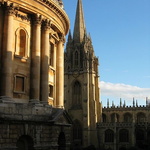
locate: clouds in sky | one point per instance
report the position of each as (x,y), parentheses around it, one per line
(126,92)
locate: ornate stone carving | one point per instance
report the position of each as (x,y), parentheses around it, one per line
(62,38)
(22,17)
(37,19)
(46,24)
(11,9)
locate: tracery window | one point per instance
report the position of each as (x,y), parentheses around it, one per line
(114,117)
(127,117)
(109,136)
(141,117)
(123,135)
(76,94)
(21,43)
(104,118)
(76,59)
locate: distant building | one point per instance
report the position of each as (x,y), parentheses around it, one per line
(108,128)
(32,115)
(125,127)
(82,84)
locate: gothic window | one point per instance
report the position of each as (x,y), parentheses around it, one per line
(19,84)
(109,136)
(77,94)
(77,131)
(141,117)
(51,59)
(76,59)
(140,135)
(114,117)
(21,43)
(104,117)
(123,135)
(127,117)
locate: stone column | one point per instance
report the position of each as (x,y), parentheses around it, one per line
(35,58)
(7,56)
(45,61)
(60,74)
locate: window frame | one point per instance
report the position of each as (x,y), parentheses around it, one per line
(24,83)
(17,44)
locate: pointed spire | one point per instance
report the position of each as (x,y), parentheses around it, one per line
(79,26)
(69,36)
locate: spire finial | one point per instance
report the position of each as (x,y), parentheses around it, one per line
(120,102)
(133,102)
(79,26)
(108,103)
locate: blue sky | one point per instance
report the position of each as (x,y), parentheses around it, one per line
(120,32)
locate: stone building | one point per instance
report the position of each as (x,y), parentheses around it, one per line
(125,127)
(82,84)
(32,36)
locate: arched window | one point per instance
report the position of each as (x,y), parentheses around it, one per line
(140,136)
(141,117)
(104,117)
(109,136)
(21,43)
(76,59)
(114,117)
(77,131)
(77,94)
(123,135)
(127,117)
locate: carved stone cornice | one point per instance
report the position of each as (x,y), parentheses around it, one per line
(23,17)
(11,9)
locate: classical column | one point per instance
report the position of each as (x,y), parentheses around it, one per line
(45,61)
(35,58)
(60,74)
(7,57)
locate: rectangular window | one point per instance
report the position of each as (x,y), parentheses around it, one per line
(19,84)
(51,91)
(51,55)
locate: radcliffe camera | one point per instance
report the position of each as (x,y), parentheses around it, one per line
(74,75)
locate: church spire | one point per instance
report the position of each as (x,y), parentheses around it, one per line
(79,26)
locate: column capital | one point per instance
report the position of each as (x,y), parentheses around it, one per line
(37,19)
(62,39)
(11,9)
(46,24)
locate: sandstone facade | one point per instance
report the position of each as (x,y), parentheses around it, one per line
(32,36)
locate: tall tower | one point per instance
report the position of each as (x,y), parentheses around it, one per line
(82,83)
